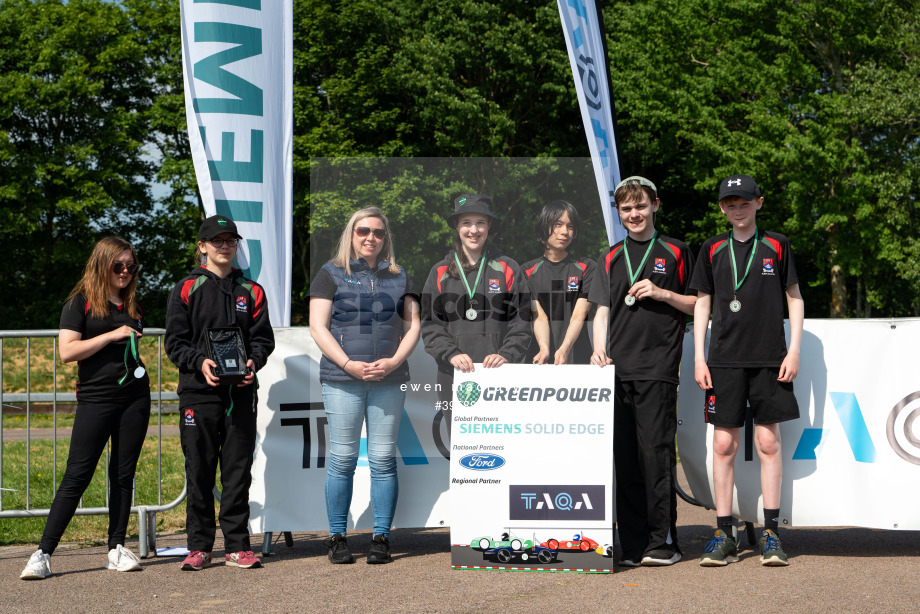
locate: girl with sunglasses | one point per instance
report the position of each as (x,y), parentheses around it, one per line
(100,326)
(364,317)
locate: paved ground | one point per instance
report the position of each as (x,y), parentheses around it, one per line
(832,570)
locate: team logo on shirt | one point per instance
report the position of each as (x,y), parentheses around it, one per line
(573,284)
(768,266)
(241,303)
(189,414)
(659,266)
(493,286)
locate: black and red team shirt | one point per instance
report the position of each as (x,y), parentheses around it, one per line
(644,340)
(98,374)
(557,286)
(754,336)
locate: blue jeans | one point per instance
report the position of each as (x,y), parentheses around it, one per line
(347,405)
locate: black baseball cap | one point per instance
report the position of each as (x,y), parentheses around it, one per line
(471,203)
(739,185)
(217,225)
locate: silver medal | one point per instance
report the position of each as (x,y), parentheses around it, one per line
(630,300)
(735,305)
(470,314)
(139,373)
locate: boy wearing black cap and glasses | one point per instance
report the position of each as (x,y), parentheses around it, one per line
(641,289)
(742,277)
(218,421)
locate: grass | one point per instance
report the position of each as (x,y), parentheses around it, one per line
(42,420)
(86,529)
(42,360)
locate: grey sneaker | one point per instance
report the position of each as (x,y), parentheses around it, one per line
(38,567)
(720,551)
(628,562)
(661,557)
(771,550)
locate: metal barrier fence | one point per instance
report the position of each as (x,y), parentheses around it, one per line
(146,512)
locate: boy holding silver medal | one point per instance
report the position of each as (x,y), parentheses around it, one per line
(641,289)
(741,277)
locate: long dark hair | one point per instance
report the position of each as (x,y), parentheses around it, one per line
(543,225)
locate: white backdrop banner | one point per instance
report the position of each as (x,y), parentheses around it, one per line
(289,471)
(531,472)
(584,40)
(237,62)
(853,457)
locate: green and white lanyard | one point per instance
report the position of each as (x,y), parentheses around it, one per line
(471,312)
(630,300)
(131,350)
(735,305)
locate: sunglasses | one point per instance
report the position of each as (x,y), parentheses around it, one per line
(119,267)
(363,231)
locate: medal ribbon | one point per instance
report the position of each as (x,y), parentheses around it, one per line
(634,276)
(130,350)
(731,250)
(482,264)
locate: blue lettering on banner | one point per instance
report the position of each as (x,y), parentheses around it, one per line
(248,43)
(854,426)
(579,7)
(230,169)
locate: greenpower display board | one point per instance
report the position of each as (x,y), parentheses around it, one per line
(531,468)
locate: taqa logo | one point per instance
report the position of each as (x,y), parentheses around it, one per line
(493,286)
(482,462)
(573,284)
(659,265)
(568,502)
(768,266)
(241,303)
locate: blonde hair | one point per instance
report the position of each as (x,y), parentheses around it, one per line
(94,285)
(344,253)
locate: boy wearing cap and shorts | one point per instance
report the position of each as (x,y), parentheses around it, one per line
(741,277)
(218,420)
(641,289)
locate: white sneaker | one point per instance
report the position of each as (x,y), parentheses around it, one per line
(122,559)
(38,567)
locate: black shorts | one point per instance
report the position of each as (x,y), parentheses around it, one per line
(771,401)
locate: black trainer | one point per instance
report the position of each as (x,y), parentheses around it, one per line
(380,550)
(338,549)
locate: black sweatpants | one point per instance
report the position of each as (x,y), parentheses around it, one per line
(209,436)
(645,423)
(125,422)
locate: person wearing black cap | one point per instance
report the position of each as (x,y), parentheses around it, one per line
(559,282)
(742,277)
(641,290)
(475,302)
(217,421)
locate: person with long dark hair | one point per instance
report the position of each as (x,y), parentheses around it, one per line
(559,282)
(475,303)
(364,317)
(100,326)
(218,420)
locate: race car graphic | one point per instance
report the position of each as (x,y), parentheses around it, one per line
(530,555)
(578,542)
(507,542)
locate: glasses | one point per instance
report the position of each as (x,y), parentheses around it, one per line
(363,231)
(119,267)
(222,242)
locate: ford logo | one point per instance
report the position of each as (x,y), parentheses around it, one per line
(482,462)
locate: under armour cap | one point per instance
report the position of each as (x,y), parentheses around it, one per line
(217,225)
(739,185)
(637,180)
